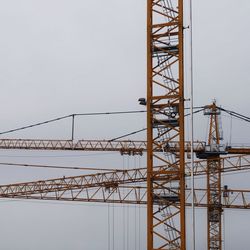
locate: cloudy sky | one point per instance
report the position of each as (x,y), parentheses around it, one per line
(63,57)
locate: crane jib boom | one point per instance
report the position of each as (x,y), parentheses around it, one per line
(95,189)
(130,147)
(125,186)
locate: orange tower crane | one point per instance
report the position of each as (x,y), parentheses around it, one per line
(165,174)
(165,112)
(120,186)
(212,153)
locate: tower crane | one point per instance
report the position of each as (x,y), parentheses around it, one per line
(165,191)
(101,187)
(120,186)
(165,112)
(212,153)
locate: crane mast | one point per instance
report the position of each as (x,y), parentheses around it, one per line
(212,153)
(214,211)
(165,193)
(165,113)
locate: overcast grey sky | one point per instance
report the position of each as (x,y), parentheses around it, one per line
(59,57)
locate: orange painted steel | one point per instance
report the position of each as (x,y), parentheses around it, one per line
(124,146)
(129,147)
(214,201)
(110,189)
(165,124)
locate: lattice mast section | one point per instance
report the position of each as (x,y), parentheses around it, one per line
(165,124)
(213,152)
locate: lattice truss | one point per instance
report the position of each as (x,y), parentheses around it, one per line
(128,186)
(214,211)
(167,114)
(214,205)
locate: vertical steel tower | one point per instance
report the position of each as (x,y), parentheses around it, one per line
(212,153)
(165,125)
(214,210)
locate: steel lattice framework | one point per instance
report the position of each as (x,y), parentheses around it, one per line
(165,112)
(129,147)
(212,153)
(125,187)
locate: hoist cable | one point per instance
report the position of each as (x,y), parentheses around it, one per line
(192,124)
(57,167)
(128,134)
(80,114)
(235,114)
(34,125)
(144,129)
(71,115)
